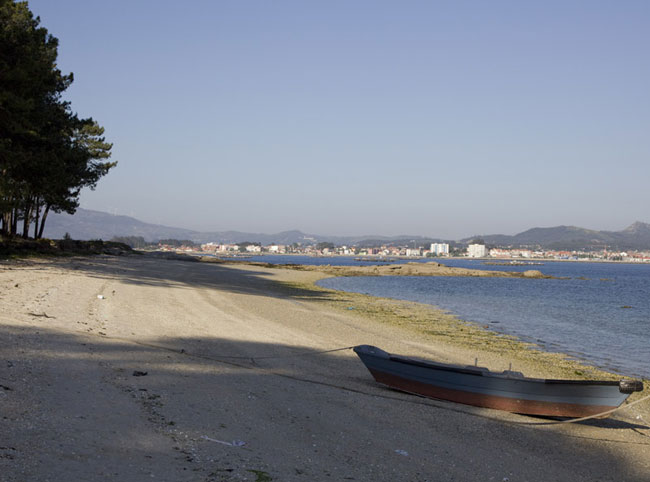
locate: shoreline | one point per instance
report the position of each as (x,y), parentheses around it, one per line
(136,368)
(439,326)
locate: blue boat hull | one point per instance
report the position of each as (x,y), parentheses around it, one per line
(509,391)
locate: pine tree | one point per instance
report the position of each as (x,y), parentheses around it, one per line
(47,154)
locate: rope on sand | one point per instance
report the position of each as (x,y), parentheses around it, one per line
(309,353)
(581,419)
(228,357)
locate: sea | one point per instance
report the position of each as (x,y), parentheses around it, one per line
(598,313)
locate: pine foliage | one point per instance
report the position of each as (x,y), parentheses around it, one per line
(47,153)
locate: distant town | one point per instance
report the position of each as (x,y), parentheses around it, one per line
(434,250)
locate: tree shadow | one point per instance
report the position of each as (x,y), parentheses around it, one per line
(146,271)
(220,408)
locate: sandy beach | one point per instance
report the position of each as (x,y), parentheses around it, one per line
(135,368)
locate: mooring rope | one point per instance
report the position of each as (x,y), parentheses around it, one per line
(582,419)
(218,358)
(269,357)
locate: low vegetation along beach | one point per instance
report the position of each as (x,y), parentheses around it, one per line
(139,368)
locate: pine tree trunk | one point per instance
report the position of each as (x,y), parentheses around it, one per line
(14,222)
(40,232)
(4,198)
(6,223)
(37,213)
(27,219)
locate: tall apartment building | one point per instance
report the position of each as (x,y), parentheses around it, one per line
(476,251)
(440,249)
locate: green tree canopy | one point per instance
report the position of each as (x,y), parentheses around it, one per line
(47,154)
(177,242)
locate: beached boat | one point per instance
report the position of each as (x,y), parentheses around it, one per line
(508,390)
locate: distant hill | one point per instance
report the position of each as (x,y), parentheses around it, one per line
(88,224)
(636,236)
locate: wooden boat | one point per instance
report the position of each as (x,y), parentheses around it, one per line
(509,390)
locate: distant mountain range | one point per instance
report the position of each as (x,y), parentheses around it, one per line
(88,224)
(636,236)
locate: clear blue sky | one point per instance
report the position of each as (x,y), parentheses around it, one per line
(445,119)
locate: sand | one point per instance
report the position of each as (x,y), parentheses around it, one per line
(132,369)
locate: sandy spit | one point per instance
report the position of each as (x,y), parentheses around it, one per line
(431,268)
(133,368)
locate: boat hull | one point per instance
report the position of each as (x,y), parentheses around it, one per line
(502,391)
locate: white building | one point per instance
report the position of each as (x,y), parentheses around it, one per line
(500,253)
(413,252)
(440,249)
(225,248)
(277,248)
(209,247)
(476,251)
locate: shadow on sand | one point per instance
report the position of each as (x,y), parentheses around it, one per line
(220,409)
(146,271)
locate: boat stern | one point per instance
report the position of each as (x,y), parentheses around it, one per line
(630,386)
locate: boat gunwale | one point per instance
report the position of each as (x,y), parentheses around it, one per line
(485,372)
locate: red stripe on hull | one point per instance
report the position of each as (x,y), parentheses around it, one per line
(515,405)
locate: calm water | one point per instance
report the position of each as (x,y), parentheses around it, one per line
(603,318)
